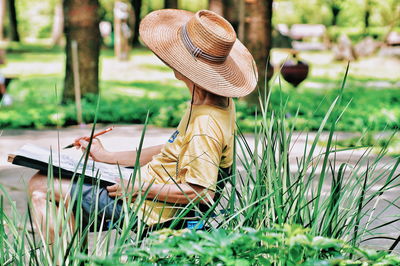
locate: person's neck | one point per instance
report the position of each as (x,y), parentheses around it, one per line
(202,97)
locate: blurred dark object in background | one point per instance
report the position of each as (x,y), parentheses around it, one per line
(294,71)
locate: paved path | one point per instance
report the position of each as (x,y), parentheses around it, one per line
(14,178)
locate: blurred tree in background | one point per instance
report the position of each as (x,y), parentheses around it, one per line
(12,15)
(2,16)
(171,4)
(137,8)
(232,12)
(367,14)
(336,7)
(257,38)
(7,9)
(81,19)
(58,25)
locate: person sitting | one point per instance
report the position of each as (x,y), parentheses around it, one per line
(204,53)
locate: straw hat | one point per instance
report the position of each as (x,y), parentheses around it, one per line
(203,47)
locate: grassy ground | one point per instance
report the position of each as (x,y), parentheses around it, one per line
(144,83)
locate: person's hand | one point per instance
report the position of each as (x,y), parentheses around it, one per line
(122,189)
(97,151)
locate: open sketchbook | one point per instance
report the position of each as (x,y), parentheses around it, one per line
(38,158)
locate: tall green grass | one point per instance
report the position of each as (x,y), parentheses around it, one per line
(268,187)
(271,190)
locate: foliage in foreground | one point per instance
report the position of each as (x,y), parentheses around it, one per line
(282,245)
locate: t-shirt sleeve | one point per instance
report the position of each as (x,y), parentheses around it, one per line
(201,153)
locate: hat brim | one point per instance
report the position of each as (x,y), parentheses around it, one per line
(235,77)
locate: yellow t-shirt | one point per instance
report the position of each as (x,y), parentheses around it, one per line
(193,154)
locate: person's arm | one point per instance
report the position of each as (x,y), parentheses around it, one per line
(170,193)
(128,158)
(123,158)
(183,194)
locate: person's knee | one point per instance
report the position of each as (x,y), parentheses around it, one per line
(38,197)
(37,185)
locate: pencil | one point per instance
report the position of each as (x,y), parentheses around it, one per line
(88,138)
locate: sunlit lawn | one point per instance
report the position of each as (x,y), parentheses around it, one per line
(142,75)
(144,71)
(145,81)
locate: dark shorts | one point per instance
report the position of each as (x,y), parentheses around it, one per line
(94,197)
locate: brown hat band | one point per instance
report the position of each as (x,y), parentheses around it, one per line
(196,51)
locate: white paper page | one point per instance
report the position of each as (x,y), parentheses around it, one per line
(107,172)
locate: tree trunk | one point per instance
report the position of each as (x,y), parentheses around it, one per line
(335,13)
(122,32)
(58,25)
(14,34)
(367,14)
(137,7)
(2,16)
(81,20)
(171,4)
(217,6)
(241,18)
(257,39)
(231,12)
(366,20)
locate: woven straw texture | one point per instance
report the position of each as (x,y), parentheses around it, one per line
(234,77)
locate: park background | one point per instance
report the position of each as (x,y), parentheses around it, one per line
(317,36)
(140,82)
